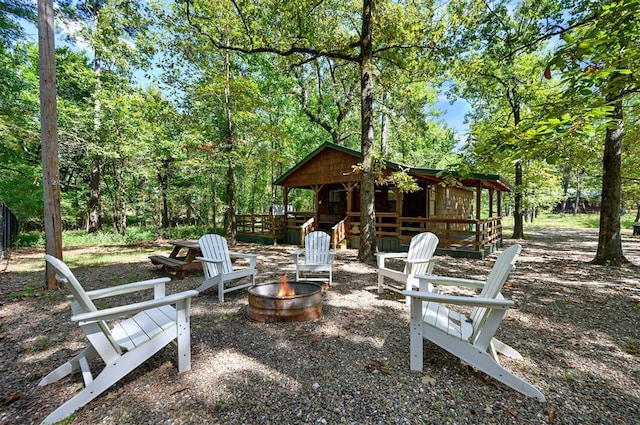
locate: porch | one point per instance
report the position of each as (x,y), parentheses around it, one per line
(472,238)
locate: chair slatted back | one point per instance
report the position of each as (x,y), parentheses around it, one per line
(422,246)
(83,304)
(215,247)
(317,245)
(493,286)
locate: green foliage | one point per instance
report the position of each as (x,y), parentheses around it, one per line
(163,149)
(135,235)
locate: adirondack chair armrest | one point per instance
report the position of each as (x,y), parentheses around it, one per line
(210,260)
(251,257)
(382,256)
(295,255)
(451,281)
(332,255)
(119,311)
(157,284)
(422,260)
(459,300)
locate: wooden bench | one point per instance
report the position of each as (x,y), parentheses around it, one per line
(169,264)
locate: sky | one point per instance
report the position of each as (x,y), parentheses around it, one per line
(453,115)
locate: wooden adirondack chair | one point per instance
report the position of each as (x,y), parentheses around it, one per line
(418,260)
(469,338)
(151,326)
(217,266)
(317,255)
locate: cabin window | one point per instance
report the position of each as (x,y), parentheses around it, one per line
(447,198)
(335,202)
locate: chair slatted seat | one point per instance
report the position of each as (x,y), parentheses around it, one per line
(124,336)
(468,337)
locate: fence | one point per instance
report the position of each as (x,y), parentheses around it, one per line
(8,229)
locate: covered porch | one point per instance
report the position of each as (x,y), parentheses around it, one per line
(453,211)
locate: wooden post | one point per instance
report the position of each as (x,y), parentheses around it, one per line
(478,226)
(478,199)
(285,201)
(49,137)
(316,195)
(490,202)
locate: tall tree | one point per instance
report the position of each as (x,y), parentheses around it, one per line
(396,32)
(504,87)
(49,136)
(115,31)
(599,61)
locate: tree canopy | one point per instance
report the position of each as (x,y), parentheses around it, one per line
(186,112)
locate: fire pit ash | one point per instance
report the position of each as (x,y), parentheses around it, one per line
(284,301)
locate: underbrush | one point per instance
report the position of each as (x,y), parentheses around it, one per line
(135,235)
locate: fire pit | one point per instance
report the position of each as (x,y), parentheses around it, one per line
(284,302)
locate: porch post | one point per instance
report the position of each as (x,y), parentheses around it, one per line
(285,200)
(490,202)
(349,187)
(479,243)
(500,203)
(478,199)
(316,195)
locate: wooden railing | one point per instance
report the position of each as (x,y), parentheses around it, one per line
(471,234)
(267,225)
(340,232)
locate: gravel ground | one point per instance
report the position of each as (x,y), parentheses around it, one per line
(574,323)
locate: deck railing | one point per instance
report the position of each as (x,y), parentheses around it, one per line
(469,234)
(472,234)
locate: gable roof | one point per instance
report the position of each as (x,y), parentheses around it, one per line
(340,169)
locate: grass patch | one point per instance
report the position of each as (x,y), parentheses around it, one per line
(30,291)
(566,221)
(135,235)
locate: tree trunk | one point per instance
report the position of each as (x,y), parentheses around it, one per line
(122,200)
(93,223)
(230,217)
(384,137)
(368,245)
(609,241)
(637,213)
(518,226)
(214,216)
(163,181)
(49,137)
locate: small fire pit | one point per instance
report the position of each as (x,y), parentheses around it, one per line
(284,302)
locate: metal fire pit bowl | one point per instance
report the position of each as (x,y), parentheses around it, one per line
(266,306)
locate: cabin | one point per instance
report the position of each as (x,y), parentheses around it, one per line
(446,204)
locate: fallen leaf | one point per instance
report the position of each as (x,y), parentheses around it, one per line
(551,414)
(179,390)
(15,396)
(428,380)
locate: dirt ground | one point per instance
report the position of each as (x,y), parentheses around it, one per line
(575,323)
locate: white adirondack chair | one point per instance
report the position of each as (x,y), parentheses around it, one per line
(418,260)
(217,266)
(151,326)
(316,257)
(470,338)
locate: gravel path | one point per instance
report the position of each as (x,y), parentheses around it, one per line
(574,323)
